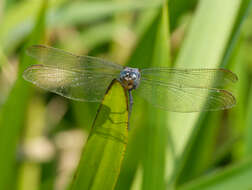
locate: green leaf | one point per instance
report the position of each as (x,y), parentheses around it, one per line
(204,47)
(82,12)
(242,15)
(233,178)
(100,34)
(237,116)
(141,57)
(19,20)
(13,111)
(239,113)
(202,154)
(30,170)
(103,153)
(177,9)
(3,58)
(148,136)
(154,162)
(248,137)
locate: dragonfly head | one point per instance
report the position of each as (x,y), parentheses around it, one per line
(130,78)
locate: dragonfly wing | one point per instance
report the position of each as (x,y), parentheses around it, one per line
(76,77)
(183,98)
(71,84)
(64,60)
(206,78)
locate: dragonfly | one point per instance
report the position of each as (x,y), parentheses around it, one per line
(86,78)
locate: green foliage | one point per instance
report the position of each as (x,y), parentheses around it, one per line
(13,111)
(199,51)
(203,139)
(152,50)
(236,177)
(101,159)
(164,150)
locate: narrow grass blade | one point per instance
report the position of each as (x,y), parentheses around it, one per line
(103,153)
(3,58)
(233,178)
(30,171)
(13,111)
(237,116)
(154,161)
(248,137)
(242,15)
(177,9)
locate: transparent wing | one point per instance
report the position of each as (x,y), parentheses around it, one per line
(64,60)
(208,78)
(76,77)
(185,99)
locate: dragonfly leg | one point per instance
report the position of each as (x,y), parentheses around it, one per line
(130,106)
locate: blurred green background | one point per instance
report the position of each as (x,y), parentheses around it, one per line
(42,134)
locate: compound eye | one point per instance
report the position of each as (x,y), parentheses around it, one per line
(125,73)
(134,76)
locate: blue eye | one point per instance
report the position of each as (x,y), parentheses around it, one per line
(134,75)
(125,73)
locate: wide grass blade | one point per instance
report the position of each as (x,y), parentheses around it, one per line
(141,57)
(213,20)
(29,170)
(202,152)
(148,136)
(233,178)
(103,153)
(154,161)
(13,111)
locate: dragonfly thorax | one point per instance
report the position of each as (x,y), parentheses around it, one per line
(130,78)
